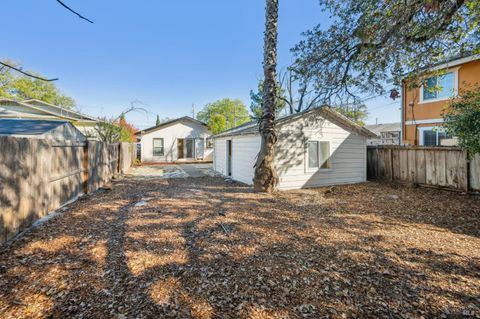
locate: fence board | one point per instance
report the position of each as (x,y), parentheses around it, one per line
(421,176)
(451,167)
(403,155)
(462,171)
(430,167)
(412,165)
(440,169)
(396,174)
(381,163)
(372,160)
(475,173)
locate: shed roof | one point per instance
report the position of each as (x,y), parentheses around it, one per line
(28,127)
(325,111)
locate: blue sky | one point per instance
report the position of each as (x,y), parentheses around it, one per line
(167,54)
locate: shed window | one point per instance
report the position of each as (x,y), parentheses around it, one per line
(318,155)
(313,159)
(158,149)
(439,87)
(325,155)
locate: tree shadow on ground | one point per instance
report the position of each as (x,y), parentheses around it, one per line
(203,248)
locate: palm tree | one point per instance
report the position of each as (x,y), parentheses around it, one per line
(266,178)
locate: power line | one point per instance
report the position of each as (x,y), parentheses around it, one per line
(26,73)
(73,11)
(382,106)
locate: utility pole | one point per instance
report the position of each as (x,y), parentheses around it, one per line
(193,111)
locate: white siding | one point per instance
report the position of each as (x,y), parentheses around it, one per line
(244,153)
(347,154)
(170,134)
(220,156)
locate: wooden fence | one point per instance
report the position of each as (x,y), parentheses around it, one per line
(445,167)
(39,176)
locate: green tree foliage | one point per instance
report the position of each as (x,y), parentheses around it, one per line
(115,130)
(234,113)
(108,131)
(357,113)
(462,120)
(19,87)
(217,123)
(372,41)
(256,103)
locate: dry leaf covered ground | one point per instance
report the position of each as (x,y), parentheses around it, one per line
(205,248)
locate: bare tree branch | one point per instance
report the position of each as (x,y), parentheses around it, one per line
(73,11)
(26,73)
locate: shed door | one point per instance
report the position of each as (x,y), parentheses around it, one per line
(229,157)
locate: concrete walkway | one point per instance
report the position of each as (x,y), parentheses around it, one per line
(171,171)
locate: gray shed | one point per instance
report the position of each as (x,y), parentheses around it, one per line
(41,129)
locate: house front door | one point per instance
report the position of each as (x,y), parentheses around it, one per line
(180,146)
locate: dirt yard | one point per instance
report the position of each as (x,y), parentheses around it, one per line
(206,248)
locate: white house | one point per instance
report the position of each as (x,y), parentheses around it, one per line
(315,148)
(182,139)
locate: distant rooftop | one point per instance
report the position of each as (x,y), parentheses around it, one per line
(387,127)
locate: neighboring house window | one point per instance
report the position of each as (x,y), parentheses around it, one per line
(158,149)
(390,138)
(318,155)
(432,136)
(209,142)
(440,87)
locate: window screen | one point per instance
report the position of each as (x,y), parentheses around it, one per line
(158,149)
(430,138)
(313,158)
(325,155)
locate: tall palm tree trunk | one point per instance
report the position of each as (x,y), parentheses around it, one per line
(266,178)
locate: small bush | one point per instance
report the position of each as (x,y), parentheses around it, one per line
(462,119)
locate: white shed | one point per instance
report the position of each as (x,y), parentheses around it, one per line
(319,147)
(182,139)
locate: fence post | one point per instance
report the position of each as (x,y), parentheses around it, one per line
(467,184)
(118,158)
(85,168)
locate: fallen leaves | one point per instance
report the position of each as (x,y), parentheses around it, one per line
(203,248)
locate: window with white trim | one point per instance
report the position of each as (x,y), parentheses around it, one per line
(439,87)
(158,148)
(318,155)
(432,136)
